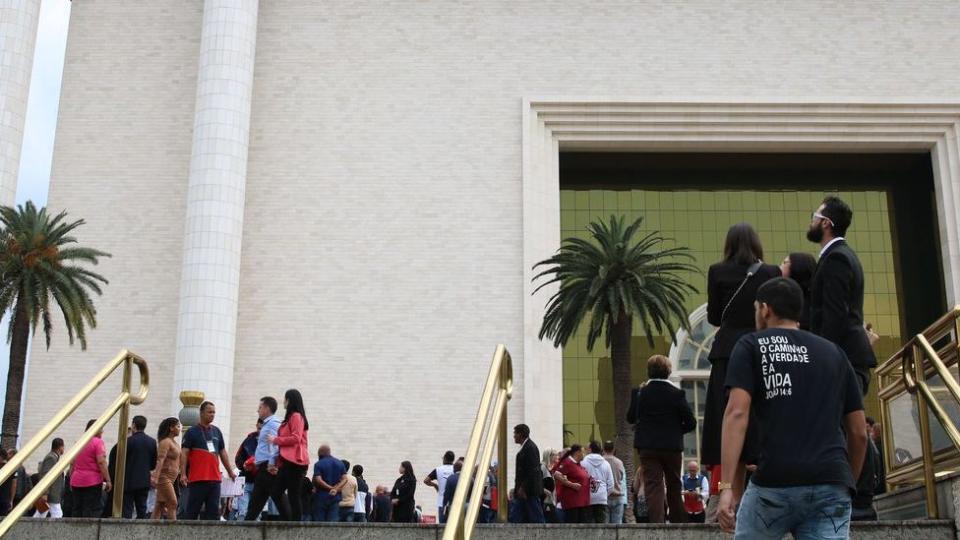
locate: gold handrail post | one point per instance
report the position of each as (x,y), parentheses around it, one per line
(502,488)
(120,465)
(930,487)
(122,402)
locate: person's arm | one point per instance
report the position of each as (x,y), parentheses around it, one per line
(295,425)
(161,456)
(240,458)
(704,488)
(856,440)
(714,301)
(688,422)
(225,459)
(102,464)
(153,455)
(837,277)
(735,420)
(637,481)
(431,480)
(268,433)
(632,411)
(184,452)
(339,487)
(614,486)
(319,481)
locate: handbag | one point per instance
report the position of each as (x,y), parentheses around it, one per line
(41,505)
(250,465)
(750,272)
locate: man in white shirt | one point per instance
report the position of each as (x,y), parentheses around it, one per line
(437,479)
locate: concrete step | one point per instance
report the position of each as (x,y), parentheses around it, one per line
(94,529)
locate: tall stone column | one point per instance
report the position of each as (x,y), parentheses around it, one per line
(18,35)
(210,275)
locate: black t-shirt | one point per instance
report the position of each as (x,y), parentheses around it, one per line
(802,386)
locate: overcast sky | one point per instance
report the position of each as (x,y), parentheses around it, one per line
(41,124)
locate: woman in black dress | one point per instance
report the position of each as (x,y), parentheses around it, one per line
(402,495)
(800,267)
(731,289)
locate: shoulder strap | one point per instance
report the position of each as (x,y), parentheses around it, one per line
(750,272)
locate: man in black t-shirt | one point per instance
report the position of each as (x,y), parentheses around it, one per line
(806,397)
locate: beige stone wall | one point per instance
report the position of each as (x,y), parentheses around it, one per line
(121,160)
(383,236)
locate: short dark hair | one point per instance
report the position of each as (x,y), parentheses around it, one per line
(57,443)
(346,464)
(839,213)
(608,446)
(90,424)
(658,367)
(140,422)
(783,296)
(458,466)
(594,447)
(871,421)
(448,457)
(270,402)
(205,404)
(742,245)
(358,470)
(523,430)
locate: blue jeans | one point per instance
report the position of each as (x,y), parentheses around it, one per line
(615,512)
(326,511)
(809,512)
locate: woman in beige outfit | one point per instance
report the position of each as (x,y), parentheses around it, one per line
(168,468)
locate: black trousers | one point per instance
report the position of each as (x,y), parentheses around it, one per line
(205,496)
(266,486)
(136,498)
(88,501)
(290,479)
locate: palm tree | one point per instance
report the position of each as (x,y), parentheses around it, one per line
(37,262)
(613,281)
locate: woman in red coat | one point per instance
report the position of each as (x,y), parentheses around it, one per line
(573,485)
(294,455)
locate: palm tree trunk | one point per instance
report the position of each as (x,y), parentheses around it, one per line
(620,335)
(18,361)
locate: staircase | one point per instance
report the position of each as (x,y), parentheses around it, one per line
(91,529)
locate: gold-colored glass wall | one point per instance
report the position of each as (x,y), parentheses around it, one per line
(699,220)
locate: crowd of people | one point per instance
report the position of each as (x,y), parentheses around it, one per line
(265,480)
(791,349)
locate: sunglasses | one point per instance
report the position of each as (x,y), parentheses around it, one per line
(818,215)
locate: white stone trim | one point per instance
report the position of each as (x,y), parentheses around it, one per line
(611,124)
(18,37)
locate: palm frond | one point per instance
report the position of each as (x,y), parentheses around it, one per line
(618,272)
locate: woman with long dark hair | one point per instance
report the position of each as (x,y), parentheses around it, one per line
(800,267)
(168,468)
(404,507)
(294,456)
(731,289)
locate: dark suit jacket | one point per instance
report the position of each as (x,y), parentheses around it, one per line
(55,495)
(722,282)
(141,459)
(661,415)
(528,475)
(836,304)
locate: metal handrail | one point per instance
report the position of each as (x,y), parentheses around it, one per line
(913,380)
(493,411)
(122,404)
